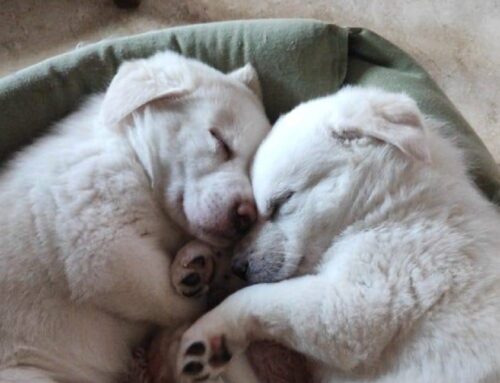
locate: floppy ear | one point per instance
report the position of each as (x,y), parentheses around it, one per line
(249,77)
(138,83)
(398,121)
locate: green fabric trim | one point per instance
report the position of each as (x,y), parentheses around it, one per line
(297,60)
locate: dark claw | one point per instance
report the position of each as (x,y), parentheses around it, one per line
(192,368)
(192,279)
(197,349)
(198,261)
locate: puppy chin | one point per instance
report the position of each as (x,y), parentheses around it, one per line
(270,272)
(265,276)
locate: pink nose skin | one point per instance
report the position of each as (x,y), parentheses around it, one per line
(245,214)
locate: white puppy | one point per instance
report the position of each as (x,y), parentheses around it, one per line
(395,254)
(92,214)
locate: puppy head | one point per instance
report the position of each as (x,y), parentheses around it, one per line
(194,130)
(313,173)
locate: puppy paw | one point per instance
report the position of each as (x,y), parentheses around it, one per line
(193,269)
(204,359)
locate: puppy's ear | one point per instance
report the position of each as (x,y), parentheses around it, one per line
(248,76)
(138,83)
(398,121)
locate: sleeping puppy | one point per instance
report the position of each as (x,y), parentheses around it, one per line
(393,251)
(93,213)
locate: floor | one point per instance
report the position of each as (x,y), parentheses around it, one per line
(457,41)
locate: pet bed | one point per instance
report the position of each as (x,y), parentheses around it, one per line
(296,59)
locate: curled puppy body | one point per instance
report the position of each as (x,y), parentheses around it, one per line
(93,212)
(379,256)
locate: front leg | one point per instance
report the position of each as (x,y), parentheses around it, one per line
(130,276)
(341,321)
(254,313)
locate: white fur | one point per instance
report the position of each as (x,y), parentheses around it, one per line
(393,255)
(92,214)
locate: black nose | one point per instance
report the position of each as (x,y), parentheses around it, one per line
(240,268)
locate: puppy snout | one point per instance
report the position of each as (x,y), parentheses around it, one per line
(244,215)
(240,268)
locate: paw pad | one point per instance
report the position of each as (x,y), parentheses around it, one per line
(202,361)
(193,269)
(192,368)
(197,349)
(191,280)
(220,353)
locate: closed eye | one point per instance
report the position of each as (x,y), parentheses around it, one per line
(221,144)
(277,202)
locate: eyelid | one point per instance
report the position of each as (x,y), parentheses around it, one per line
(347,134)
(276,203)
(225,147)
